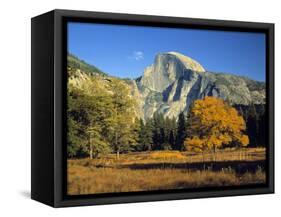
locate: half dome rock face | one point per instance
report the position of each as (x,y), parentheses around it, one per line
(188,62)
(174,81)
(167,68)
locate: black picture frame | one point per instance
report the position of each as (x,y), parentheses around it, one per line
(48,69)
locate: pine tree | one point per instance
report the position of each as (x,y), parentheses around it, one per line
(149,135)
(145,136)
(162,139)
(171,138)
(252,126)
(181,132)
(262,131)
(158,122)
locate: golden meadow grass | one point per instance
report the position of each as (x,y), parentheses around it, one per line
(163,170)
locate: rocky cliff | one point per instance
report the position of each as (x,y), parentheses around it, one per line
(174,81)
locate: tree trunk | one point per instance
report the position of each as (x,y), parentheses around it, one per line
(90,147)
(203,159)
(91,151)
(214,153)
(116,143)
(240,154)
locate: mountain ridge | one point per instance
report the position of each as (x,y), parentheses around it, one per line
(174,81)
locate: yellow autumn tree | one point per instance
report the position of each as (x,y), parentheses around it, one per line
(214,124)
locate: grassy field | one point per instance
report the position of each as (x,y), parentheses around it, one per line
(165,170)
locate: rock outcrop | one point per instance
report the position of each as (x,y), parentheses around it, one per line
(173,82)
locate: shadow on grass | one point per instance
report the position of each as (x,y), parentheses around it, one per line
(239,167)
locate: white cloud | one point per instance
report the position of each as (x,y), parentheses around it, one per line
(137,55)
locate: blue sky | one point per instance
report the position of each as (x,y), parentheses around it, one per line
(125,51)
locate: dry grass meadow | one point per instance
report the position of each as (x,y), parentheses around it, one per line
(160,170)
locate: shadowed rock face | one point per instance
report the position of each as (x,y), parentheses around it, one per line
(174,81)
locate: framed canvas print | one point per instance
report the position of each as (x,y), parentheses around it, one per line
(133,108)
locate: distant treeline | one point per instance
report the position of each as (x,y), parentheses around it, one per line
(160,133)
(255,118)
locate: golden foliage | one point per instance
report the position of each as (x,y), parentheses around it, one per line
(214,123)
